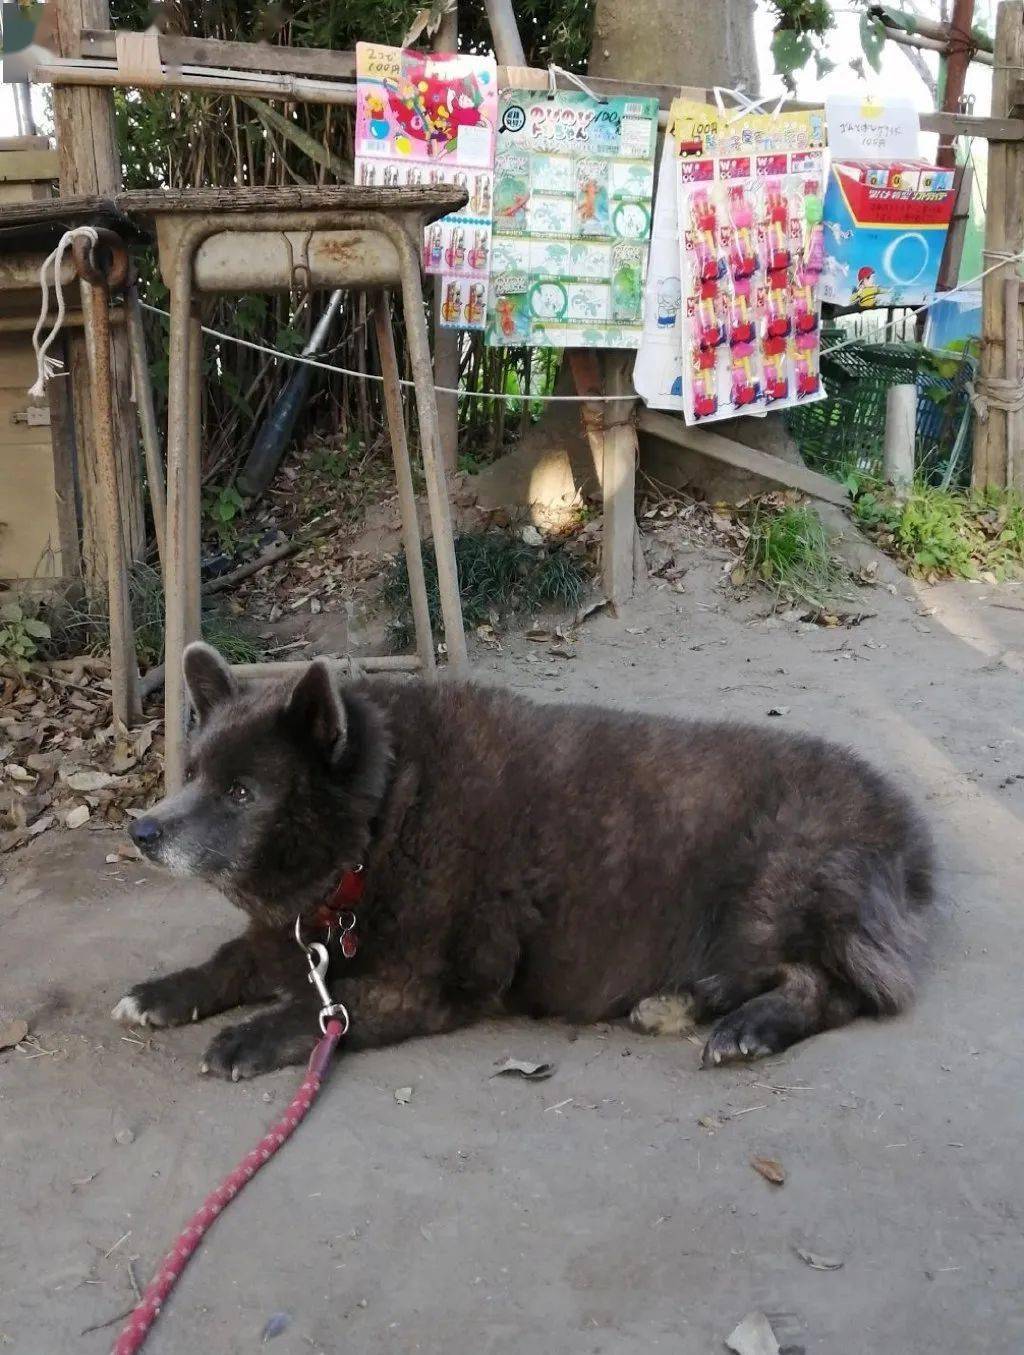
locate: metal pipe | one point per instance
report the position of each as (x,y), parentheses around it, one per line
(276,430)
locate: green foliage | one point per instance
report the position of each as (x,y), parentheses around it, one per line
(497,575)
(20,632)
(222,507)
(789,551)
(80,625)
(802,30)
(948,534)
(872,39)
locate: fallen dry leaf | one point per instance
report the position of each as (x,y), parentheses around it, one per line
(403,1095)
(532,1072)
(817,1262)
(770,1169)
(753,1336)
(12,1033)
(77,816)
(85,782)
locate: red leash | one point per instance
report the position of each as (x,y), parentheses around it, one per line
(135,1332)
(334,1024)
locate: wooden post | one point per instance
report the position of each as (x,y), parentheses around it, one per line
(900,434)
(446,341)
(1004,236)
(613,444)
(1014,385)
(124,673)
(89,164)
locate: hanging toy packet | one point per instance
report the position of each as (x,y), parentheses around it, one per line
(751,252)
(424,120)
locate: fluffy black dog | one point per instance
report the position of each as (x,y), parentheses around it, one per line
(552,860)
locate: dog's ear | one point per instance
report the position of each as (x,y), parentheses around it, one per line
(316,711)
(209,679)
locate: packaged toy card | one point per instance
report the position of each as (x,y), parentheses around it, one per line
(750,254)
(426,119)
(886,231)
(573,181)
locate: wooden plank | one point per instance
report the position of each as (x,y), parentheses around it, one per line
(24,143)
(25,166)
(732,453)
(953,250)
(176,50)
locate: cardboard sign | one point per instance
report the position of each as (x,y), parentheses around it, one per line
(861,127)
(885,231)
(574,176)
(431,119)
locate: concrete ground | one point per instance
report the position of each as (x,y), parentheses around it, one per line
(612,1209)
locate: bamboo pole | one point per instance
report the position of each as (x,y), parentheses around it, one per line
(403,475)
(1004,237)
(147,418)
(446,340)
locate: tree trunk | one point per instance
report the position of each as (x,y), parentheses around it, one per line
(90,164)
(689,42)
(676,42)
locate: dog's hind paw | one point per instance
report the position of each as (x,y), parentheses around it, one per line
(667,1014)
(737,1038)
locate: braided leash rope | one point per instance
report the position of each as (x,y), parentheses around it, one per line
(138,1326)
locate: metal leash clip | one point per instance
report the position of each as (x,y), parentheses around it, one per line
(318,960)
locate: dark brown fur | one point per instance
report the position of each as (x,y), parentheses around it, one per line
(559,861)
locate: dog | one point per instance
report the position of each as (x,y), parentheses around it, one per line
(552,861)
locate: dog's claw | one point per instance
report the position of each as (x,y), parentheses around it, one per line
(204,1067)
(236,1073)
(129,1013)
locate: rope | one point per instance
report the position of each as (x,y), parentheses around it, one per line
(998,392)
(1002,260)
(47,367)
(135,1332)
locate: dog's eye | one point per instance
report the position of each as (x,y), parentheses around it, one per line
(190,773)
(239,794)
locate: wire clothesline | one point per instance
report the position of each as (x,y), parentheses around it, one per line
(1001,262)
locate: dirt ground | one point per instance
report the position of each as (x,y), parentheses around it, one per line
(611,1210)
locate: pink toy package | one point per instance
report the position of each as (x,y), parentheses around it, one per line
(426,119)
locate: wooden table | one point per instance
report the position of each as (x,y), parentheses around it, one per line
(213,241)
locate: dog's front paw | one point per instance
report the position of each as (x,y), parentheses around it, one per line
(161,1002)
(252,1048)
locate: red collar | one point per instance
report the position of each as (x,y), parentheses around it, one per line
(339,909)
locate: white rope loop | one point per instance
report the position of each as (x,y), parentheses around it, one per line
(47,367)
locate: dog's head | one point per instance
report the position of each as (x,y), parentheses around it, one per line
(281,783)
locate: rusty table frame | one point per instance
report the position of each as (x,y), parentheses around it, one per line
(180,237)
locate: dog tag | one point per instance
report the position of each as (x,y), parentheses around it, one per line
(349,943)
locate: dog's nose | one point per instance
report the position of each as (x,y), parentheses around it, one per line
(144,832)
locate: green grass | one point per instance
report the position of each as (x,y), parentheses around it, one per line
(948,533)
(789,551)
(80,625)
(497,574)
